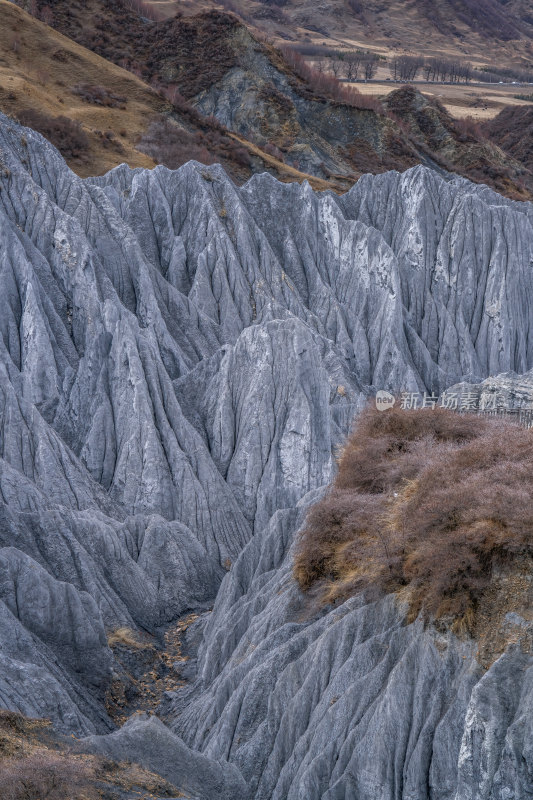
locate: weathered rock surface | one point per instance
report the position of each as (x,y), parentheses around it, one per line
(348,702)
(502,393)
(178,359)
(149,742)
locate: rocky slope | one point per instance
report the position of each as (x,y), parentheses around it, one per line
(214,61)
(512,130)
(350,702)
(100,115)
(217,69)
(179,359)
(480,153)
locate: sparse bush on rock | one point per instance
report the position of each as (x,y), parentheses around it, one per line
(431,502)
(43,775)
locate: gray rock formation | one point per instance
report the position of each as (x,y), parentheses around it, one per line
(150,743)
(179,358)
(348,702)
(505,392)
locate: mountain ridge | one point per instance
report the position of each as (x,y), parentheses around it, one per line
(214,72)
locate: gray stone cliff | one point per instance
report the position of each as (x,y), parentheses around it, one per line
(179,358)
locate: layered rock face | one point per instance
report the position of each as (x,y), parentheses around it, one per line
(179,358)
(349,702)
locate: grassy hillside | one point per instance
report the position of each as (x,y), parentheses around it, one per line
(482,31)
(41,70)
(166,90)
(282,116)
(99,114)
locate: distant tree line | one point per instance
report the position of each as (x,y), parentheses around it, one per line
(357,65)
(352,65)
(408,68)
(327,83)
(507,74)
(144,9)
(443,70)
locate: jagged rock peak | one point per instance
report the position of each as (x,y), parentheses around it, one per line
(178,359)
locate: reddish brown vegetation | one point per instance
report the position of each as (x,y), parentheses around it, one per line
(512,130)
(193,52)
(68,136)
(272,150)
(469,129)
(210,142)
(429,501)
(328,85)
(99,95)
(42,776)
(171,145)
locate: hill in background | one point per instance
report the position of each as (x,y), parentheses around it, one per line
(118,86)
(482,31)
(99,114)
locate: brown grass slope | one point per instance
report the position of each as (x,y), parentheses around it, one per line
(39,72)
(187,57)
(38,764)
(99,115)
(487,21)
(212,61)
(165,52)
(434,505)
(512,130)
(483,31)
(208,73)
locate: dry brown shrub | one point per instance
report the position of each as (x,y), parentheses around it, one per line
(469,129)
(431,501)
(43,775)
(99,95)
(128,638)
(173,146)
(272,150)
(66,134)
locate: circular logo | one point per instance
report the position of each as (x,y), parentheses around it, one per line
(384,400)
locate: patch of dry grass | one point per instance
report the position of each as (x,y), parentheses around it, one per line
(128,638)
(41,71)
(431,503)
(37,764)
